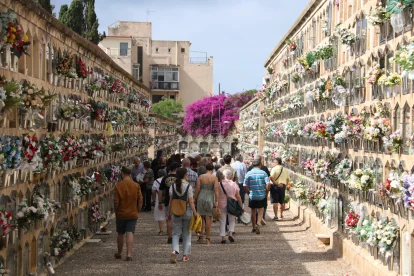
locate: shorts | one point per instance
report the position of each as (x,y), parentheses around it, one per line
(257,204)
(125,225)
(277,194)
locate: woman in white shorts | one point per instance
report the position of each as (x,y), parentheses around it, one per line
(159,216)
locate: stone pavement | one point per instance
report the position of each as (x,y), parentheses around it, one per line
(283,248)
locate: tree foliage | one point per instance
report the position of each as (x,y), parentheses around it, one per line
(167,108)
(46,5)
(198,115)
(82,19)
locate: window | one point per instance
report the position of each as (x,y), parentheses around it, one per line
(386,31)
(165,78)
(361,36)
(172,97)
(406,131)
(156,49)
(135,71)
(140,61)
(397,118)
(183,50)
(156,98)
(169,50)
(123,49)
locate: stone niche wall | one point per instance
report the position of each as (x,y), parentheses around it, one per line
(291,101)
(218,145)
(22,249)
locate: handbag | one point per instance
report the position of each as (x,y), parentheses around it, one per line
(216,213)
(233,206)
(179,203)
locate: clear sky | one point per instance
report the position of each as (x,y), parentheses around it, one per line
(239,34)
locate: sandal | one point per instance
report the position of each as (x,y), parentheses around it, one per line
(128,259)
(185,259)
(161,233)
(208,242)
(200,240)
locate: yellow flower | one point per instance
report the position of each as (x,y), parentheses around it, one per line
(25,38)
(13,37)
(13,29)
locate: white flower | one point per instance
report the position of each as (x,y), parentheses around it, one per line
(20,215)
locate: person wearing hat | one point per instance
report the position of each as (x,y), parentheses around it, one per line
(256,184)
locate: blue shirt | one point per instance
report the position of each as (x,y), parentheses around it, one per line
(241,171)
(256,180)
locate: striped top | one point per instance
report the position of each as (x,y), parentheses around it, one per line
(256,180)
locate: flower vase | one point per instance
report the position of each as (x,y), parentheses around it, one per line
(388,91)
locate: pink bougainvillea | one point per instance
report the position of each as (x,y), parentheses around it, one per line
(198,115)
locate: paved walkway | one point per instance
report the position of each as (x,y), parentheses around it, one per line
(283,248)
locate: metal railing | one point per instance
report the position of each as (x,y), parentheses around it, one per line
(165,85)
(118,52)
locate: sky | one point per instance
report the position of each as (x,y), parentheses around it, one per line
(239,34)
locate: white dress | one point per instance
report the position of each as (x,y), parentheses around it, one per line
(158,215)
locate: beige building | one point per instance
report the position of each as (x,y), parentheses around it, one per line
(169,68)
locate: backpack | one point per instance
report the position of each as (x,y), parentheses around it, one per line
(179,203)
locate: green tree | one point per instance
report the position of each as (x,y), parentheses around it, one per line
(251,92)
(63,14)
(75,18)
(167,108)
(46,5)
(91,22)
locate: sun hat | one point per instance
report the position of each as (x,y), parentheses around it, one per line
(245,218)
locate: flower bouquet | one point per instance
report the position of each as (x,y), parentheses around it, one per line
(27,214)
(351,219)
(5,222)
(321,168)
(81,69)
(408,191)
(389,81)
(291,45)
(378,15)
(11,95)
(374,73)
(387,233)
(300,189)
(334,127)
(295,78)
(10,153)
(319,129)
(346,37)
(315,195)
(405,59)
(377,128)
(51,152)
(61,243)
(12,34)
(366,232)
(355,125)
(309,165)
(64,65)
(343,169)
(96,215)
(308,130)
(361,180)
(394,142)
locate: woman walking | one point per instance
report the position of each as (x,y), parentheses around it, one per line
(181,190)
(231,190)
(159,216)
(206,197)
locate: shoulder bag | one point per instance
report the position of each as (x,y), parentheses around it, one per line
(179,203)
(233,206)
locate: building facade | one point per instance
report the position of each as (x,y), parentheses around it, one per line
(70,118)
(169,68)
(339,111)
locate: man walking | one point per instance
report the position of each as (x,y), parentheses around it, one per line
(241,171)
(266,170)
(137,169)
(280,178)
(191,175)
(256,183)
(226,166)
(164,193)
(148,181)
(128,203)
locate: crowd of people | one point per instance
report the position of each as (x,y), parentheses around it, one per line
(182,187)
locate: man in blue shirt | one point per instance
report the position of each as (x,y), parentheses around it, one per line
(256,183)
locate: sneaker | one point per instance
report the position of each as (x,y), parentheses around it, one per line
(253,230)
(231,239)
(118,256)
(257,229)
(173,258)
(128,259)
(275,218)
(169,241)
(185,259)
(263,222)
(223,242)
